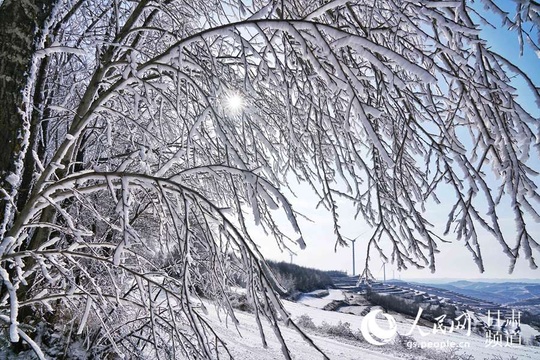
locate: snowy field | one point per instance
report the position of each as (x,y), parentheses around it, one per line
(321,302)
(245,342)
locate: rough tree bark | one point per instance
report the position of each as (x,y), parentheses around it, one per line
(21,23)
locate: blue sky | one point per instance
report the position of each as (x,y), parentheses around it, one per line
(505,42)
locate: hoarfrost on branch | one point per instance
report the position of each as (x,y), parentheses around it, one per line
(136,202)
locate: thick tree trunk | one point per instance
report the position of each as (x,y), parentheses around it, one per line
(21,22)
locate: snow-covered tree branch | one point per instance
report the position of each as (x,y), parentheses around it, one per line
(128,170)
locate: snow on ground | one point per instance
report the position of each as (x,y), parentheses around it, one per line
(473,344)
(319,303)
(248,345)
(319,316)
(355,310)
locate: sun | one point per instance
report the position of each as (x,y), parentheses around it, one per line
(234,103)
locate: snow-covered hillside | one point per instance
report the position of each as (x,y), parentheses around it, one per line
(320,303)
(249,346)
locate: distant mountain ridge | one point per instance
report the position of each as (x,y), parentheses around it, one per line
(479,280)
(528,302)
(499,292)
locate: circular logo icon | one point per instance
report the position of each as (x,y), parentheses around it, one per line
(373,333)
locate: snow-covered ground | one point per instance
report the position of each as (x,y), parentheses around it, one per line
(473,344)
(321,302)
(248,344)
